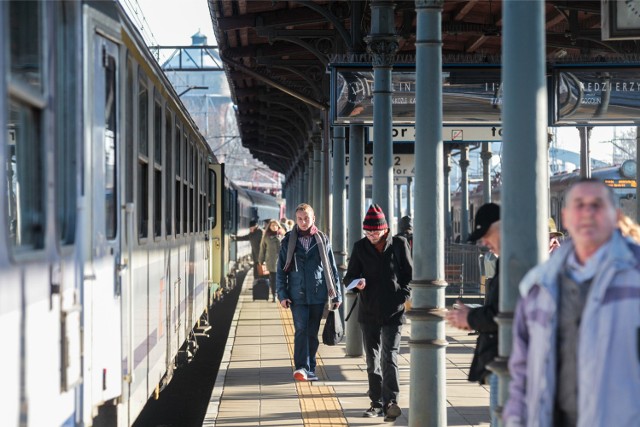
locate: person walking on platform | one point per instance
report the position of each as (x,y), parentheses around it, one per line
(254,237)
(405,229)
(306,278)
(575,359)
(481,319)
(382,267)
(269,251)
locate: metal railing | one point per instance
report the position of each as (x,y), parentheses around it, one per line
(467,263)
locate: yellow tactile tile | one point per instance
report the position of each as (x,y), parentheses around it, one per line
(318,402)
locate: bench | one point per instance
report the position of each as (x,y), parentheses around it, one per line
(454,275)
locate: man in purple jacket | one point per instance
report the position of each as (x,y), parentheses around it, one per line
(575,359)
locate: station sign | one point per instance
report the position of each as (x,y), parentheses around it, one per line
(596,95)
(453,134)
(471,94)
(403,165)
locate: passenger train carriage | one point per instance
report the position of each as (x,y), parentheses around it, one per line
(115,214)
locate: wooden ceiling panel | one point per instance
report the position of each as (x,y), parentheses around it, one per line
(255,61)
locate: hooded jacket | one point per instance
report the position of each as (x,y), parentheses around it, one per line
(608,350)
(387,277)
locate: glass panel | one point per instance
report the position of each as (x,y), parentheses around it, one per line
(143,200)
(157,202)
(178,208)
(25,178)
(157,134)
(168,173)
(25,41)
(111,198)
(143,120)
(212,198)
(66,145)
(128,143)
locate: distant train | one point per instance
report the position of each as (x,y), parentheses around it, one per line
(621,179)
(115,216)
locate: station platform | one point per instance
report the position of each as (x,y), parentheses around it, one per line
(255,386)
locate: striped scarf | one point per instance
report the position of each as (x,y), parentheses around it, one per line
(291,247)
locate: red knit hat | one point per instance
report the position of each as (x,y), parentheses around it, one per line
(374,220)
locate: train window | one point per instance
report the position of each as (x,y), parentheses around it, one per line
(157,169)
(185,189)
(66,140)
(143,160)
(178,185)
(212,199)
(168,209)
(110,153)
(190,166)
(25,177)
(25,42)
(128,144)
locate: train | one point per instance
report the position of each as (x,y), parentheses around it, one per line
(620,178)
(116,217)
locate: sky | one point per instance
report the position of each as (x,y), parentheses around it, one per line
(173,22)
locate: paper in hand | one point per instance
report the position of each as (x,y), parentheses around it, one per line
(353,284)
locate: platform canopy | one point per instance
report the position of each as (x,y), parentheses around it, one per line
(277,56)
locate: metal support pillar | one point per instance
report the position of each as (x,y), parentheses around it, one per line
(353,347)
(464,189)
(398,202)
(408,209)
(339,217)
(316,196)
(448,229)
(428,339)
(585,151)
(306,181)
(486,172)
(325,185)
(382,44)
(524,224)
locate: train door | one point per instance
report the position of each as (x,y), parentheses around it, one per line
(102,287)
(219,257)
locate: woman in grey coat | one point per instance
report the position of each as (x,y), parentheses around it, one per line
(269,250)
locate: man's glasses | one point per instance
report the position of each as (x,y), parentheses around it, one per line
(373,232)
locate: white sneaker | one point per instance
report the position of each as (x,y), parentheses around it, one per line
(300,375)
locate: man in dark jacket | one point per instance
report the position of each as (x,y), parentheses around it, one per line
(381,268)
(481,319)
(254,237)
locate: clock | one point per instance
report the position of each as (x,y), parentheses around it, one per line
(620,19)
(628,169)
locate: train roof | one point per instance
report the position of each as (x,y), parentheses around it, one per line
(260,198)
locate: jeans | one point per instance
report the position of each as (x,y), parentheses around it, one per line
(493,398)
(382,344)
(306,322)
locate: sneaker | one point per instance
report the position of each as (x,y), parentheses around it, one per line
(373,411)
(393,411)
(311,376)
(300,375)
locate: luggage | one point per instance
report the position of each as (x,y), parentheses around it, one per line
(261,289)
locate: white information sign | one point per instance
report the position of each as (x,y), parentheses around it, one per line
(449,134)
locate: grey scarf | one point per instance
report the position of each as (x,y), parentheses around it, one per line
(328,276)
